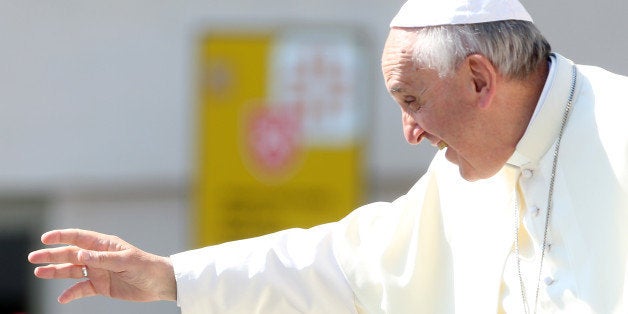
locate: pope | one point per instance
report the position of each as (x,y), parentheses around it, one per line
(521,211)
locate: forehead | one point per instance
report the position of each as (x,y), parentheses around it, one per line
(398,49)
(398,67)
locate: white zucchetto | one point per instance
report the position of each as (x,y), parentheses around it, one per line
(420,13)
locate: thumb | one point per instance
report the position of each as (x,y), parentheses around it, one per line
(98,259)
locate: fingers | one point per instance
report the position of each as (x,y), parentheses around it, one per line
(59,271)
(80,290)
(82,238)
(64,263)
(67,254)
(64,257)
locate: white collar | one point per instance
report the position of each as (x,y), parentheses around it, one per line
(543,129)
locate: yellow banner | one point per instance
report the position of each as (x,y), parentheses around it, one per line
(278,133)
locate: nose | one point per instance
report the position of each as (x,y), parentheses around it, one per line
(411,130)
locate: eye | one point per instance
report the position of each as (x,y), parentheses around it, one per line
(412,103)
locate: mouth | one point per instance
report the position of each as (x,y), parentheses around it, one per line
(440,144)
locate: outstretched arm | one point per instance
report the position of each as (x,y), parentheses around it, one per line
(115,268)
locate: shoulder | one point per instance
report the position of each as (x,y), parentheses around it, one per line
(600,78)
(599,120)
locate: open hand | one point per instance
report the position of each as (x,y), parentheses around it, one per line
(115,268)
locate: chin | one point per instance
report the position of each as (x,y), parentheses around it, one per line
(451,156)
(471,174)
(469,177)
(466,170)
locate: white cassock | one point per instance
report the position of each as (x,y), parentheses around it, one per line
(447,245)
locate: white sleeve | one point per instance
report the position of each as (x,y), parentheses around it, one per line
(292,271)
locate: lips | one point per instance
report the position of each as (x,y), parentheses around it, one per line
(440,144)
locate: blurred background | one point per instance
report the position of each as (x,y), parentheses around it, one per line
(176,124)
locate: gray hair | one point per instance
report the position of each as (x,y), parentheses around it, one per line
(514,47)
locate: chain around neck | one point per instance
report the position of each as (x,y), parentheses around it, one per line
(524,298)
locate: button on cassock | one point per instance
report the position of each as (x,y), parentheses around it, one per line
(536,211)
(527,173)
(549,281)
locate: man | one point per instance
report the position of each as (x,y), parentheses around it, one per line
(521,212)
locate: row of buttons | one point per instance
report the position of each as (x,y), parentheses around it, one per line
(535,211)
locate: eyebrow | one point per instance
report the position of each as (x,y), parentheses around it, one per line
(396,89)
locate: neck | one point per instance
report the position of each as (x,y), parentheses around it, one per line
(532,88)
(522,97)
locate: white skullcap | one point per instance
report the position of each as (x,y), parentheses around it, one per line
(420,13)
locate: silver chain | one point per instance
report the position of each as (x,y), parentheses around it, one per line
(549,205)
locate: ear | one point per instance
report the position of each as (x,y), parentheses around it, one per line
(483,77)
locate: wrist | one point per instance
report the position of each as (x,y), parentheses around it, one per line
(168,291)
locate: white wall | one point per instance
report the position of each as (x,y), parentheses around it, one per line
(102,91)
(97,108)
(93,91)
